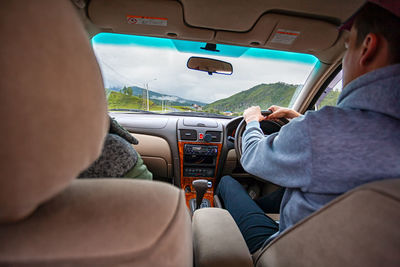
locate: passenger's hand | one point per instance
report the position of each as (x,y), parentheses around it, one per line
(253,114)
(280,112)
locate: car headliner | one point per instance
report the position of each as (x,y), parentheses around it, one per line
(252,23)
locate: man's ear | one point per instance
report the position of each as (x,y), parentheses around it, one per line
(369,49)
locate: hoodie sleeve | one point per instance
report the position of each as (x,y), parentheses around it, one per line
(282,158)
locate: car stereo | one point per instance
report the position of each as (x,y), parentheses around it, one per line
(200,150)
(199,160)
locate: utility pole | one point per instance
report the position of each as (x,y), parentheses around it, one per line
(147,89)
(144,99)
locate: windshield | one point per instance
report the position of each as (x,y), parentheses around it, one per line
(151,74)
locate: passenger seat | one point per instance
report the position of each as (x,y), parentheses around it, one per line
(53,123)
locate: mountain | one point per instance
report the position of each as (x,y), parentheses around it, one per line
(158,97)
(263,95)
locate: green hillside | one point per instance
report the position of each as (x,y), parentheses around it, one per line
(124,100)
(263,95)
(330,99)
(119,100)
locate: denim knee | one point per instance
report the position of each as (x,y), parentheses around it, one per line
(224,183)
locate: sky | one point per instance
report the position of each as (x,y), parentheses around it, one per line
(135,61)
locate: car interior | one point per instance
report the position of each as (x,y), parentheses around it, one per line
(56,118)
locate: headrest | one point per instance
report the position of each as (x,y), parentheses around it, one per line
(52,104)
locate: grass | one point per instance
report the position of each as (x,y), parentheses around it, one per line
(117,100)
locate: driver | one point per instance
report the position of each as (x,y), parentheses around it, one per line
(323,154)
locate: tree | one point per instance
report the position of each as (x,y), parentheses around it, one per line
(123,90)
(129,91)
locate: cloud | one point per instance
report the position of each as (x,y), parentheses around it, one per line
(127,66)
(168,98)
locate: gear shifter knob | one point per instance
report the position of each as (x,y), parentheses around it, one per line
(200,186)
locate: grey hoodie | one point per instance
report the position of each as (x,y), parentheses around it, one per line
(325,153)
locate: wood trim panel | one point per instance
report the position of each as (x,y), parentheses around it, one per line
(187,181)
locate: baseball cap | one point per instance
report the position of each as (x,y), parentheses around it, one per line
(392,6)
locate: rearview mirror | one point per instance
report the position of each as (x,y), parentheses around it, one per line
(210,65)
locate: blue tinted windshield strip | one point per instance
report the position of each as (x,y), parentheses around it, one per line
(281,55)
(131,40)
(196,47)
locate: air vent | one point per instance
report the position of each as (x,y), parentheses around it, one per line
(188,135)
(200,122)
(215,136)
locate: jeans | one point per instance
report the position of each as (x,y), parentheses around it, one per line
(255,226)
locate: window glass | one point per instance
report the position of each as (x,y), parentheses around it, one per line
(331,94)
(151,74)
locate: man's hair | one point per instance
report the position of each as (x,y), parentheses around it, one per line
(375,19)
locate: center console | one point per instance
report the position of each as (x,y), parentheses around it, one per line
(200,144)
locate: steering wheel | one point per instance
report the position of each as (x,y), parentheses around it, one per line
(267,125)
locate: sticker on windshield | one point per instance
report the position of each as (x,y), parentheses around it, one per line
(286,37)
(146,20)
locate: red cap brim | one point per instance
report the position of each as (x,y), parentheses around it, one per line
(346,26)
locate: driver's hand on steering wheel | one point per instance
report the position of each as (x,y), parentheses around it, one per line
(253,114)
(280,112)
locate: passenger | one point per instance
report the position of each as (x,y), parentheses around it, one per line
(325,153)
(118,158)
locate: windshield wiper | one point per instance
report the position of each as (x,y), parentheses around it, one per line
(198,114)
(132,110)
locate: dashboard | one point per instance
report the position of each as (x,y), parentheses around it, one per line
(181,149)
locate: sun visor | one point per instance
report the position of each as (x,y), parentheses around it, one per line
(282,32)
(145,17)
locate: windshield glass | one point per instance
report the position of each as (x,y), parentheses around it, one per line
(151,74)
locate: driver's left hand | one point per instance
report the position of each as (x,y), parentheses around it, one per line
(253,114)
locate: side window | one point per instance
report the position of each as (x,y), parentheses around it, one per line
(331,93)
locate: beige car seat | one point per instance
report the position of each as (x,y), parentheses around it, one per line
(360,228)
(54,120)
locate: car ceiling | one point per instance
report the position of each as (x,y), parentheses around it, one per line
(242,15)
(252,23)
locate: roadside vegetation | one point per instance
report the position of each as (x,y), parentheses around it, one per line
(263,95)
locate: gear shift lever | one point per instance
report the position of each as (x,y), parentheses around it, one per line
(200,186)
